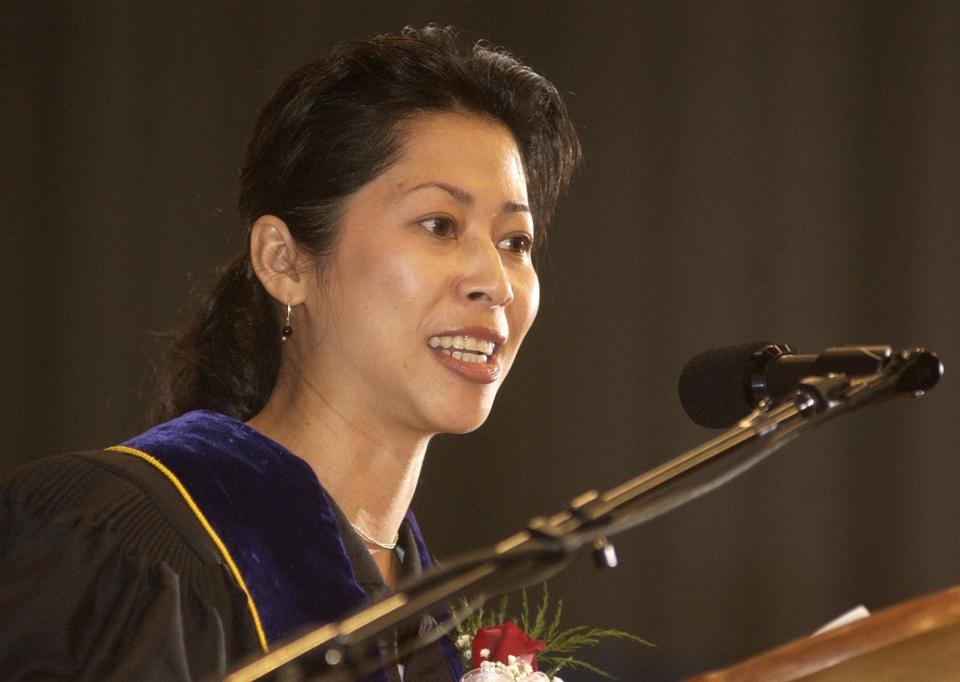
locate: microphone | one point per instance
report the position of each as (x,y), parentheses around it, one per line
(720,387)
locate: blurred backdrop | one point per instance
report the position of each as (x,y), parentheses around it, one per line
(753,170)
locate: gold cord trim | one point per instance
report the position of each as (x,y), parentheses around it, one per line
(208,528)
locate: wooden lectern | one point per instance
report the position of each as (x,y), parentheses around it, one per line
(917,641)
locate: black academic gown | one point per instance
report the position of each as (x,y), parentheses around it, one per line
(190,547)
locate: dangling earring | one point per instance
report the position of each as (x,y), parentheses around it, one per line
(287,330)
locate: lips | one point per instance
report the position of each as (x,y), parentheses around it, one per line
(470,352)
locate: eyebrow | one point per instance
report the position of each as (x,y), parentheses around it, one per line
(465,198)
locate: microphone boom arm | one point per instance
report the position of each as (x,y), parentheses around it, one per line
(349,648)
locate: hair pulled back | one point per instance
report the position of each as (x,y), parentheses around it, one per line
(329,129)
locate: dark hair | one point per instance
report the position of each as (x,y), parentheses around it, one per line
(328,130)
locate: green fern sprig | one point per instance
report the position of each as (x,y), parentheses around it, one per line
(556,654)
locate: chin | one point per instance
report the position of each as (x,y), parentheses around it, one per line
(462,422)
(463,429)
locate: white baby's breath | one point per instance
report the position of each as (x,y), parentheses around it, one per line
(517,670)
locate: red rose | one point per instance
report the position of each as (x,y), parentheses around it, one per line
(505,640)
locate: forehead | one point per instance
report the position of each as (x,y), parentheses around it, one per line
(463,150)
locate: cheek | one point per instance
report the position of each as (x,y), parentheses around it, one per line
(386,275)
(526,303)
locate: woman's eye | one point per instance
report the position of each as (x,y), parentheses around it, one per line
(440,226)
(518,243)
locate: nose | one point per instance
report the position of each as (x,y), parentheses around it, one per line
(483,278)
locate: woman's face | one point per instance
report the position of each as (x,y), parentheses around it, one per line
(431,289)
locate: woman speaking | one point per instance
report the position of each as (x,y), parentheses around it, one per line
(393,193)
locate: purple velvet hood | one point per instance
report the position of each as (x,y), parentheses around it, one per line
(277,522)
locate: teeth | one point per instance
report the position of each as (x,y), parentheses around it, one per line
(466,356)
(462,343)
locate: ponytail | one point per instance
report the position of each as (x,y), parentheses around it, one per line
(228,357)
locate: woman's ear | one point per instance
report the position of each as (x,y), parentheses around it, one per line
(276,260)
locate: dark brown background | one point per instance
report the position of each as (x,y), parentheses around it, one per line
(776,170)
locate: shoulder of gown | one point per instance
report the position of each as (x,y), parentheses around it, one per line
(105,574)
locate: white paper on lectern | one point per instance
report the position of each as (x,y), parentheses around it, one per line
(856,613)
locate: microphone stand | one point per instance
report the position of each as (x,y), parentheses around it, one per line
(351,648)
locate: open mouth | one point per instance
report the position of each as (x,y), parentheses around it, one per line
(468,349)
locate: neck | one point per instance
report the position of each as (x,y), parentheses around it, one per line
(371,472)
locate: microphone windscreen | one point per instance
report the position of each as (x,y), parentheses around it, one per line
(715,385)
